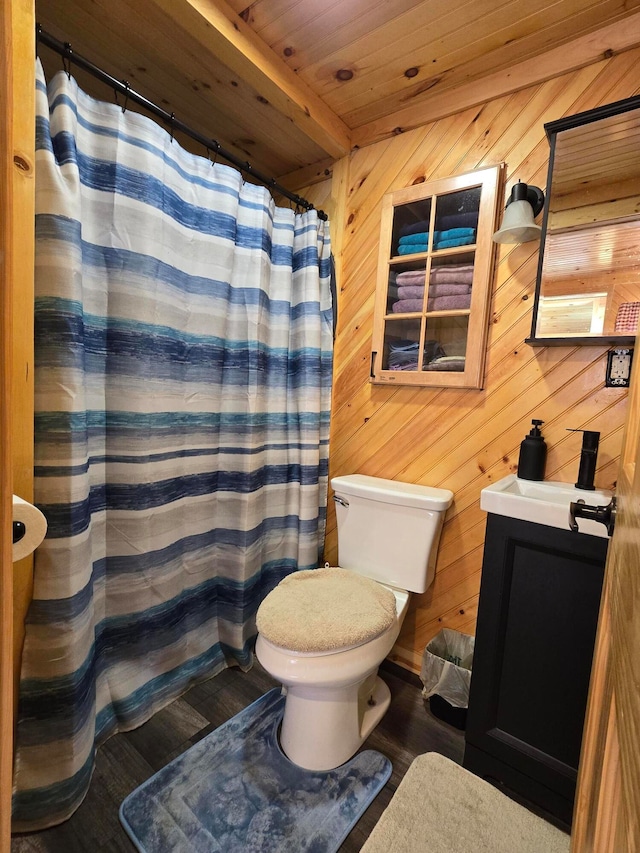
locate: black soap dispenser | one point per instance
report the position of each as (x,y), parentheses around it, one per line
(533,454)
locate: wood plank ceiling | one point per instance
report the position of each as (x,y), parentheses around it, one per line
(289,84)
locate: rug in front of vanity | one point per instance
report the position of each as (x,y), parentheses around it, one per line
(236,791)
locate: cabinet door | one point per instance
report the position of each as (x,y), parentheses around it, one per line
(538,611)
(434,282)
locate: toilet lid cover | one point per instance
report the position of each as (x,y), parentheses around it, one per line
(322,610)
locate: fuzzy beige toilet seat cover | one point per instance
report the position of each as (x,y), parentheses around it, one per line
(324,610)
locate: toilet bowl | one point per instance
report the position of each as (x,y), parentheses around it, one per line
(323,633)
(334,699)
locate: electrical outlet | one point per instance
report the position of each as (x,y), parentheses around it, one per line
(618,368)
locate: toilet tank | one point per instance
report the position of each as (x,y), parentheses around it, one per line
(389,531)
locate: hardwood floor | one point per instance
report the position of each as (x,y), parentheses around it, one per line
(128,759)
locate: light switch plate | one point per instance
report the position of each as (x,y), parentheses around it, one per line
(618,368)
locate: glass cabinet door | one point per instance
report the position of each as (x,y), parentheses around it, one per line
(435,265)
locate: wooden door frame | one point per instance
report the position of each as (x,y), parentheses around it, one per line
(601,816)
(6,478)
(17,206)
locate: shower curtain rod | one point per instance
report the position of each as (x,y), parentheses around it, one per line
(65,50)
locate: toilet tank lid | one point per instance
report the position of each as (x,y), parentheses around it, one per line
(392,491)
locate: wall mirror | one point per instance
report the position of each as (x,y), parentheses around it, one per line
(588,286)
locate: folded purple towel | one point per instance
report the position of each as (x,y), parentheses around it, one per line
(456,268)
(407,306)
(442,275)
(446,289)
(448,303)
(410,277)
(413,291)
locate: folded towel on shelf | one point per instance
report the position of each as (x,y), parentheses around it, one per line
(410,277)
(421,238)
(418,237)
(453,242)
(450,233)
(447,363)
(459,220)
(407,306)
(457,275)
(446,289)
(448,303)
(414,227)
(451,269)
(403,355)
(411,291)
(403,345)
(403,349)
(412,248)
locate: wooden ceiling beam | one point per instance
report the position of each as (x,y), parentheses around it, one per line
(220,31)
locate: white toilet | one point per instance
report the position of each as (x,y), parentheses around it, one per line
(323,633)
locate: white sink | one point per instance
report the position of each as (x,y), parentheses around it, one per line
(543,502)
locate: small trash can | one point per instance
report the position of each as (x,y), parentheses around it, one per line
(446,675)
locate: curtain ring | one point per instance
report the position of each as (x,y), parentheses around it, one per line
(215,157)
(126,95)
(66,59)
(171,121)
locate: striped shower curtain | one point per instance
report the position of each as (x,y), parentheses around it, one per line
(183,380)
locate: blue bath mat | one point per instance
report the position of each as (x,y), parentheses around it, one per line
(235,792)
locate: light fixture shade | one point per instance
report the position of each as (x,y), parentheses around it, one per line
(524,204)
(517,224)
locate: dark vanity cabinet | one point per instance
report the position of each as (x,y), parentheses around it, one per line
(537,617)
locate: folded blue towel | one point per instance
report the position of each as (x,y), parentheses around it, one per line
(419,242)
(418,237)
(450,233)
(457,241)
(414,247)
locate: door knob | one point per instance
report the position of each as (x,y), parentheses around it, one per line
(603,514)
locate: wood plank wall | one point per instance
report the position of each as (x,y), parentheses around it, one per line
(465,439)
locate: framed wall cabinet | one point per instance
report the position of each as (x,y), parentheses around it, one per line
(434,282)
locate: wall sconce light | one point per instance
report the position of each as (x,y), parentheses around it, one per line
(525,203)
